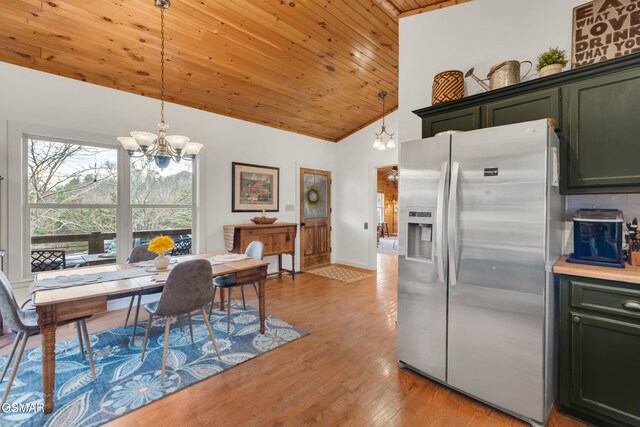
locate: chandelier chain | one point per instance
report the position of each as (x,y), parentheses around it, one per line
(161,65)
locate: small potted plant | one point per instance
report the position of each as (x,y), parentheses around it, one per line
(160,246)
(551,62)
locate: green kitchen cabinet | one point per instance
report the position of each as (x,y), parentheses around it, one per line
(463,120)
(600,351)
(523,108)
(605,131)
(597,112)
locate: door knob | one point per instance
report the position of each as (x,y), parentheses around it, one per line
(302,224)
(576,319)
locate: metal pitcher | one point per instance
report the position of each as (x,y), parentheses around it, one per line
(504,74)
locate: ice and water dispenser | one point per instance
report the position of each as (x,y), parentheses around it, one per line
(420,234)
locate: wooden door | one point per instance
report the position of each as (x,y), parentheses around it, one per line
(315,218)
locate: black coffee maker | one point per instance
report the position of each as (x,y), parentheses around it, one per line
(597,238)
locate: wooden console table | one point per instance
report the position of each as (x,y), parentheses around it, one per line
(278,238)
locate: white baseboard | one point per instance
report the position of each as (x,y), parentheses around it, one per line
(355,264)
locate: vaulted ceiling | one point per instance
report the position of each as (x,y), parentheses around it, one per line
(313,67)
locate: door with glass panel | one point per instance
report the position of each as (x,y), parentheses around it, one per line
(315,218)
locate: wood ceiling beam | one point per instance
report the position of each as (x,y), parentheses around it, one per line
(389,7)
(431,8)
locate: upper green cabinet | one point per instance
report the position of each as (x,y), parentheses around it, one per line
(597,112)
(523,108)
(465,120)
(605,132)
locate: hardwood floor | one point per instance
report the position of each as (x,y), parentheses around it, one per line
(343,373)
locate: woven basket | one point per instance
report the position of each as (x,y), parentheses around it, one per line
(447,86)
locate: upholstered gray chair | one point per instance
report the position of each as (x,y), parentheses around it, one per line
(187,289)
(255,250)
(139,253)
(25,323)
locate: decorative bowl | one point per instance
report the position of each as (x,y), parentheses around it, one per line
(263,220)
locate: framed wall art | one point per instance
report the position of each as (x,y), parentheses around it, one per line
(255,188)
(605,29)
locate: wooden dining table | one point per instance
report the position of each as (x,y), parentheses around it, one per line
(56,305)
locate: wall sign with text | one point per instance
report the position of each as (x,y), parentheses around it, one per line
(605,29)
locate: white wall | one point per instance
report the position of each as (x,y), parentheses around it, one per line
(43,99)
(479,34)
(355,199)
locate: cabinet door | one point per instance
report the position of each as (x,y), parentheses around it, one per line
(604,115)
(524,108)
(605,368)
(464,120)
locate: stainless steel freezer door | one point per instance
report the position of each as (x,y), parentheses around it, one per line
(422,288)
(497,236)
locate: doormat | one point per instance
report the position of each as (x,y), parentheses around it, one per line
(123,383)
(339,273)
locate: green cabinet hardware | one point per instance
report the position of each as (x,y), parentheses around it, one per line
(596,110)
(600,351)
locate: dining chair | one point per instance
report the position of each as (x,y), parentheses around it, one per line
(25,323)
(187,289)
(139,253)
(181,247)
(47,260)
(254,250)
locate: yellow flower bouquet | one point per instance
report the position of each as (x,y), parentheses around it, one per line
(160,245)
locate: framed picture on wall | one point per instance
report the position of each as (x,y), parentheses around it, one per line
(255,188)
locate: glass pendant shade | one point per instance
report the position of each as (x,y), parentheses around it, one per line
(144,139)
(128,143)
(377,142)
(162,161)
(192,148)
(177,142)
(391,143)
(382,147)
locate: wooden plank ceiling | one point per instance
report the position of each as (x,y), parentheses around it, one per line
(313,67)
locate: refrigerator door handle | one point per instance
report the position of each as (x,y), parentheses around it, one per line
(452,221)
(440,240)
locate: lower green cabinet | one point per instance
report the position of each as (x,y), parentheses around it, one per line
(599,352)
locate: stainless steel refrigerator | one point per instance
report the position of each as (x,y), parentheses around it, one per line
(480,228)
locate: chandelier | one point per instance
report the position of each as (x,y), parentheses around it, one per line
(162,148)
(379,143)
(393,176)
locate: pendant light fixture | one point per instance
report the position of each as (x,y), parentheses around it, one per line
(379,143)
(162,148)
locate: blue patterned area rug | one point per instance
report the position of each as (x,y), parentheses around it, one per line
(122,382)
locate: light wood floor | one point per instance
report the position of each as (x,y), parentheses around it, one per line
(343,373)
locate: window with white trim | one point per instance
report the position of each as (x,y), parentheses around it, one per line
(161,199)
(84,208)
(72,193)
(380,206)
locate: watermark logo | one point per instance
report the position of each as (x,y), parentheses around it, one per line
(21,407)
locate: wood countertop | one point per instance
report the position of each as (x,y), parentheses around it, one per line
(629,274)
